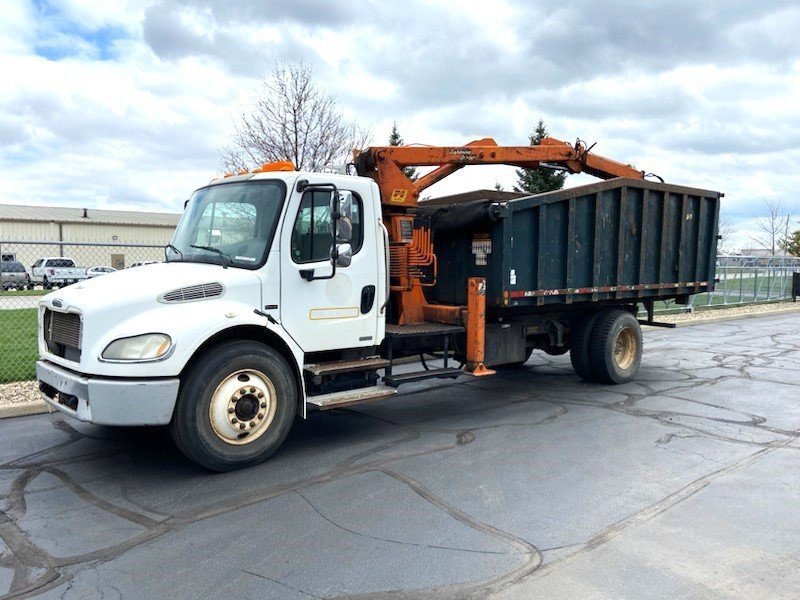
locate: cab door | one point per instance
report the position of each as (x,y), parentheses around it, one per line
(319,311)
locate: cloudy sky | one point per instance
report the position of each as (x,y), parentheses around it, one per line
(125,104)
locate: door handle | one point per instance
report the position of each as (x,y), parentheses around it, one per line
(367,298)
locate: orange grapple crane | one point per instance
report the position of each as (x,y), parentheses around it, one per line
(412,259)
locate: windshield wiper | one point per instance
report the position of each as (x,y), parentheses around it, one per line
(217,251)
(174,249)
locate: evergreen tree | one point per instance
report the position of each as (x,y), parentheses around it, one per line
(396,140)
(792,245)
(537,181)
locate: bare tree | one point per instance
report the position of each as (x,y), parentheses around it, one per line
(727,231)
(292,119)
(774,226)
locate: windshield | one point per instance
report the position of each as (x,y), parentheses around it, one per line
(234,221)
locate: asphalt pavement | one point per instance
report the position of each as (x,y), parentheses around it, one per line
(529,484)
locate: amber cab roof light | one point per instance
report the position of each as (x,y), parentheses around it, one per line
(278,165)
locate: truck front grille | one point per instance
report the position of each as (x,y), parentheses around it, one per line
(62,333)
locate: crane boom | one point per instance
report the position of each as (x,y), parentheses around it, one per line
(413,264)
(385,164)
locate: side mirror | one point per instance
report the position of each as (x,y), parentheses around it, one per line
(344,255)
(343,216)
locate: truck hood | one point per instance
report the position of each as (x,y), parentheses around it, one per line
(183,300)
(143,287)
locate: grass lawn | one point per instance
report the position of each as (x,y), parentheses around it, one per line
(24,293)
(18,347)
(747,286)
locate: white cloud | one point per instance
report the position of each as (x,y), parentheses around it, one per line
(125,104)
(17,27)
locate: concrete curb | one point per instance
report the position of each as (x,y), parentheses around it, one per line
(22,409)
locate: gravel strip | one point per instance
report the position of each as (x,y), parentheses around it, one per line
(720,314)
(19,392)
(25,394)
(21,398)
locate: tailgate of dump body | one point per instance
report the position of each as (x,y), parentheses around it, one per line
(621,239)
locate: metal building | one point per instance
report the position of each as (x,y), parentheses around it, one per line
(62,225)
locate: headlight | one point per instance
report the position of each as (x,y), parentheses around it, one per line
(150,346)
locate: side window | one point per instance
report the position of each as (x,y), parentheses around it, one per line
(312,232)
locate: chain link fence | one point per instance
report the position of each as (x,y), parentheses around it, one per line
(31,269)
(743,280)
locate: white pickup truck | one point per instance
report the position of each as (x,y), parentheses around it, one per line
(56,271)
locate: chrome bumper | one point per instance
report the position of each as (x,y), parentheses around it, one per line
(108,401)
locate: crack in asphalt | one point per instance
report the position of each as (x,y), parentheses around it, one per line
(36,571)
(652,511)
(389,540)
(282,584)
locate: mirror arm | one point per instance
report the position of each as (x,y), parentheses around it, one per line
(304,186)
(308,274)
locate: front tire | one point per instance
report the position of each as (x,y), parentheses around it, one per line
(236,406)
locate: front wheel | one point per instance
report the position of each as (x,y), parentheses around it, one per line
(235,407)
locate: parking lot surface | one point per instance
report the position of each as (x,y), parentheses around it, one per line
(529,484)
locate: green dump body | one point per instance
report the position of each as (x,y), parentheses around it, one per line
(617,241)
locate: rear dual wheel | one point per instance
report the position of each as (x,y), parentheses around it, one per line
(606,346)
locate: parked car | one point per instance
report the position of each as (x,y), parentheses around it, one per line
(57,270)
(97,271)
(13,275)
(142,263)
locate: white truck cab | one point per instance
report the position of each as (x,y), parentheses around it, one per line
(264,269)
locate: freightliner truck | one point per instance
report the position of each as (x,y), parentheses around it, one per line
(285,292)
